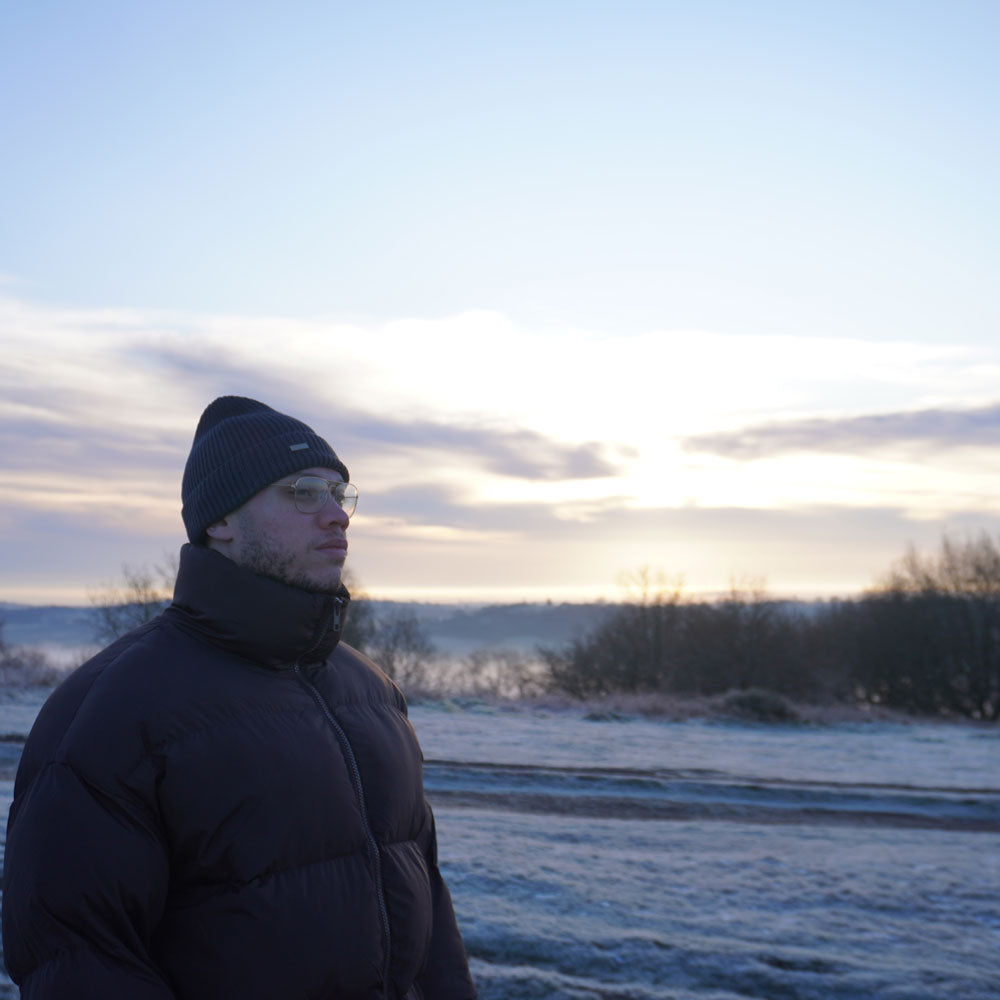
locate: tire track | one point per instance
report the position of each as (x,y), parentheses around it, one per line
(663,794)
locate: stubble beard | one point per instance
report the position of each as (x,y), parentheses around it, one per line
(260,557)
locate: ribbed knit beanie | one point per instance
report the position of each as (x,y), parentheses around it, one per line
(241,446)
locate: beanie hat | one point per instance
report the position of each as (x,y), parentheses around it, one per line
(241,446)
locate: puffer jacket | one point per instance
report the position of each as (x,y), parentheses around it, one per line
(227,803)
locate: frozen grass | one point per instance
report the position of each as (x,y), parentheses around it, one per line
(21,667)
(786,906)
(747,706)
(560,909)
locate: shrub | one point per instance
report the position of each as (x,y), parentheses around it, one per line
(757,705)
(21,667)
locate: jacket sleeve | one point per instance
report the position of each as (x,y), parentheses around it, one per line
(85,880)
(446,975)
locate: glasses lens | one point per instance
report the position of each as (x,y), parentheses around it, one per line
(346,494)
(311,493)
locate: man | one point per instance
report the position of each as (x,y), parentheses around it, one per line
(227,802)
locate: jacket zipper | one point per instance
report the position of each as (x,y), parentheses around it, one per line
(355,771)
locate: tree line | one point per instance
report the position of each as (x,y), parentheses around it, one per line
(926,640)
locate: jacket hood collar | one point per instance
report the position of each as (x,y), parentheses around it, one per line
(264,620)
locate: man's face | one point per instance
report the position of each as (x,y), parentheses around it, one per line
(273,538)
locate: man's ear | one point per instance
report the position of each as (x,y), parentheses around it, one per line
(221,531)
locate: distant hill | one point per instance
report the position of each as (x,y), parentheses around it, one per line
(460,628)
(452,628)
(48,625)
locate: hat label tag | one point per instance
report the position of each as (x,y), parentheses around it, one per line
(298,447)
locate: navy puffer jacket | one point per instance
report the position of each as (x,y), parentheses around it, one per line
(227,803)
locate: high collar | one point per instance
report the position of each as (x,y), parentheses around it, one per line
(272,623)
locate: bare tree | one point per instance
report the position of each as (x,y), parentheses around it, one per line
(635,648)
(502,673)
(395,640)
(928,637)
(360,625)
(21,667)
(745,640)
(143,595)
(401,647)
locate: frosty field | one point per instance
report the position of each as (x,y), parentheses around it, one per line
(706,861)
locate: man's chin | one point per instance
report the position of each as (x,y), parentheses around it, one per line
(324,585)
(327,584)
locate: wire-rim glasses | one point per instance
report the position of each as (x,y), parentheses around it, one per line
(312,493)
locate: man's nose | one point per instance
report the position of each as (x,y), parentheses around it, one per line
(332,513)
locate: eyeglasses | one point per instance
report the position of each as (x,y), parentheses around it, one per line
(312,494)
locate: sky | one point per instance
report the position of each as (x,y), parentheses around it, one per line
(575,289)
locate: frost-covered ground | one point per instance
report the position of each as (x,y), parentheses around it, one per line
(708,861)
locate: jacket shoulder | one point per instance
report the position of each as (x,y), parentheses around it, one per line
(94,689)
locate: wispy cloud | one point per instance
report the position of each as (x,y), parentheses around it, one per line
(936,428)
(517,452)
(491,454)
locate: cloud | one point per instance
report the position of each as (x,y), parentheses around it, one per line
(528,546)
(491,454)
(938,428)
(81,448)
(125,391)
(517,452)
